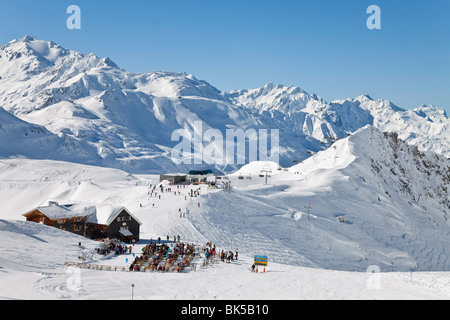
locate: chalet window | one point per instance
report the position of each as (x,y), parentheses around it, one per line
(61,221)
(118,219)
(76,228)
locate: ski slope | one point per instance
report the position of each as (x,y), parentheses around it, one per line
(31,268)
(388,228)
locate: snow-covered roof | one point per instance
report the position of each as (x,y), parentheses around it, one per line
(106,214)
(67,211)
(99,214)
(126,233)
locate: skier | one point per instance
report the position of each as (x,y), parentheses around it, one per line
(253,268)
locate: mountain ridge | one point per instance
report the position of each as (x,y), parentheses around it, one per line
(129,117)
(369,199)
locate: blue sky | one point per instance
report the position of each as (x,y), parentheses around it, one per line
(323,47)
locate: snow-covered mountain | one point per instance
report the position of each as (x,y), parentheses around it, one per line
(22,139)
(125,120)
(290,107)
(417,126)
(393,199)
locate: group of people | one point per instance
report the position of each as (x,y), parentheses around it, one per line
(108,246)
(228,256)
(153,252)
(175,256)
(123,249)
(225,256)
(164,257)
(187,254)
(209,251)
(195,193)
(153,193)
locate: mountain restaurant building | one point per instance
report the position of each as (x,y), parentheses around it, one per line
(94,222)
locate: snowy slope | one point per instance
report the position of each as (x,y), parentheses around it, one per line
(31,267)
(125,120)
(22,139)
(257,168)
(432,114)
(395,199)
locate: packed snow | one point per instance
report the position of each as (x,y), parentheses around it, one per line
(391,245)
(32,268)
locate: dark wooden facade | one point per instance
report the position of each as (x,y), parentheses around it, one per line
(124,221)
(75,225)
(96,231)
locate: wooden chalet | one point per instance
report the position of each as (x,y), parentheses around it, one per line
(89,221)
(69,217)
(114,223)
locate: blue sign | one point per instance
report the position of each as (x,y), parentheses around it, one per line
(261,260)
